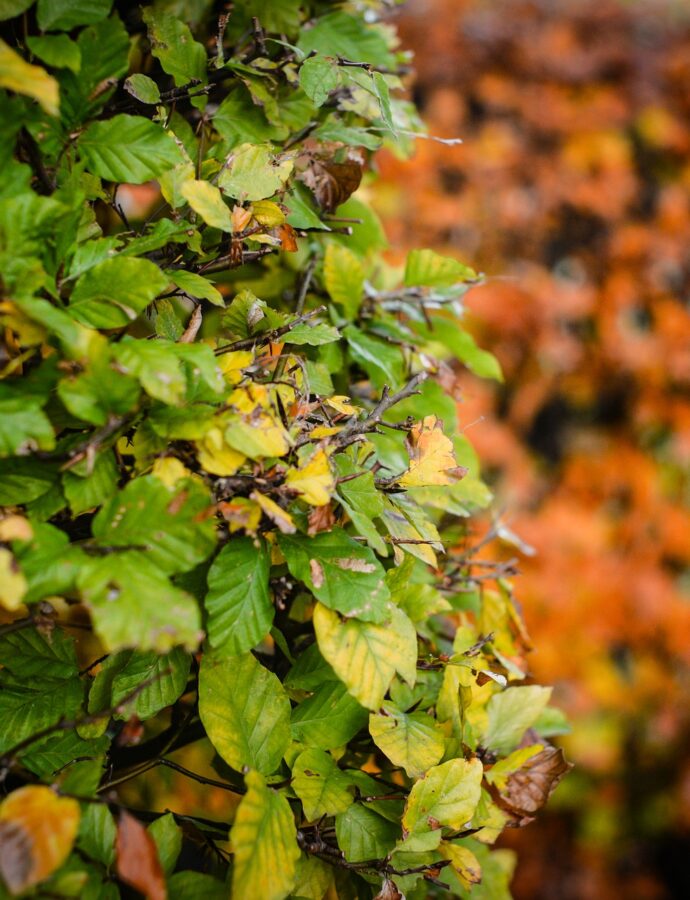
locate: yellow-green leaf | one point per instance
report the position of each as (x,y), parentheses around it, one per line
(13,584)
(411,740)
(366,656)
(464,862)
(447,795)
(206,200)
(344,278)
(314,480)
(18,75)
(264,843)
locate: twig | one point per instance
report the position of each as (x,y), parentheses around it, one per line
(189,334)
(364,426)
(269,337)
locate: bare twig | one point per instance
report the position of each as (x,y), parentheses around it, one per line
(370,423)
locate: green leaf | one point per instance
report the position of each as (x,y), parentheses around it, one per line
(155,365)
(97,833)
(17,75)
(113,293)
(426,268)
(245,711)
(511,713)
(344,278)
(56,50)
(46,757)
(133,604)
(166,522)
(128,148)
(164,677)
(411,740)
(254,174)
(364,835)
(196,886)
(48,562)
(340,34)
(321,786)
(309,671)
(174,47)
(168,838)
(195,286)
(39,684)
(24,427)
(314,877)
(367,656)
(447,795)
(64,15)
(238,602)
(264,843)
(329,718)
(382,92)
(239,121)
(11,8)
(93,489)
(318,77)
(206,200)
(340,572)
(383,362)
(302,212)
(361,500)
(99,391)
(143,88)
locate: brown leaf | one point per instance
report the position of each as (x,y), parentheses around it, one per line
(137,859)
(321,518)
(332,183)
(288,238)
(389,891)
(528,789)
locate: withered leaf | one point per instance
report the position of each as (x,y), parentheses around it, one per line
(137,859)
(389,891)
(528,789)
(332,183)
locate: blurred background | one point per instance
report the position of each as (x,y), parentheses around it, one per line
(572,193)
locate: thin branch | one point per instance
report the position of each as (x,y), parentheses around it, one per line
(370,423)
(269,337)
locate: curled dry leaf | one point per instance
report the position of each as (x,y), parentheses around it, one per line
(321,518)
(389,891)
(37,831)
(137,859)
(332,183)
(528,789)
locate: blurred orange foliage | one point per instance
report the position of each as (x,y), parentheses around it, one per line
(572,192)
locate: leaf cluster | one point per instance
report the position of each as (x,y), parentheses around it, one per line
(235,508)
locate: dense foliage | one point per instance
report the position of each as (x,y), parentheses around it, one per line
(571,188)
(236,508)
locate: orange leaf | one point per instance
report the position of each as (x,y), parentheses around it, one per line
(37,831)
(137,859)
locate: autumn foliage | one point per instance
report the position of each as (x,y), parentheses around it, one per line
(253,643)
(572,191)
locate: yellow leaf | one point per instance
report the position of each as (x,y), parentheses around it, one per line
(342,404)
(465,863)
(15,528)
(241,514)
(37,831)
(17,75)
(232,364)
(13,585)
(267,213)
(206,200)
(257,436)
(170,470)
(275,513)
(323,431)
(313,481)
(432,460)
(216,456)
